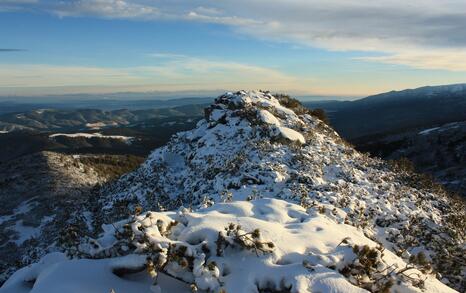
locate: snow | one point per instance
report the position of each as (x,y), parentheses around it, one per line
(291,134)
(56,274)
(454,88)
(268,118)
(24,232)
(5,218)
(307,244)
(4,131)
(23,208)
(427,131)
(217,114)
(19,232)
(305,198)
(26,206)
(96,125)
(239,157)
(126,139)
(440,128)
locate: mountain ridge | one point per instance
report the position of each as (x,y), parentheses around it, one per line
(397,111)
(426,90)
(256,157)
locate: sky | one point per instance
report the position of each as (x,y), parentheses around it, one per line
(303,47)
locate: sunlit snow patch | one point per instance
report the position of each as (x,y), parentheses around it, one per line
(126,139)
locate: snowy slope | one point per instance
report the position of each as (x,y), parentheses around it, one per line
(307,255)
(289,175)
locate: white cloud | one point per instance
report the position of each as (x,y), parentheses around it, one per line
(163,55)
(409,33)
(207,10)
(419,33)
(451,59)
(106,8)
(174,72)
(227,20)
(18,1)
(13,5)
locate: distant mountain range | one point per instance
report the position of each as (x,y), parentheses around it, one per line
(90,119)
(396,111)
(13,106)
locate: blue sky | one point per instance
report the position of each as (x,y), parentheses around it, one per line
(303,47)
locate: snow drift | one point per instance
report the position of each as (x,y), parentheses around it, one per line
(296,250)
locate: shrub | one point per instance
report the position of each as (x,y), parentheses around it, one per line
(291,103)
(369,271)
(111,166)
(235,237)
(320,113)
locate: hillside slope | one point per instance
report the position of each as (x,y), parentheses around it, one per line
(39,191)
(439,151)
(271,193)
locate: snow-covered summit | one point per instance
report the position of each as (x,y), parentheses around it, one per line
(338,220)
(247,142)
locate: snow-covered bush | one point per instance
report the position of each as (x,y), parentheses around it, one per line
(370,271)
(156,236)
(234,236)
